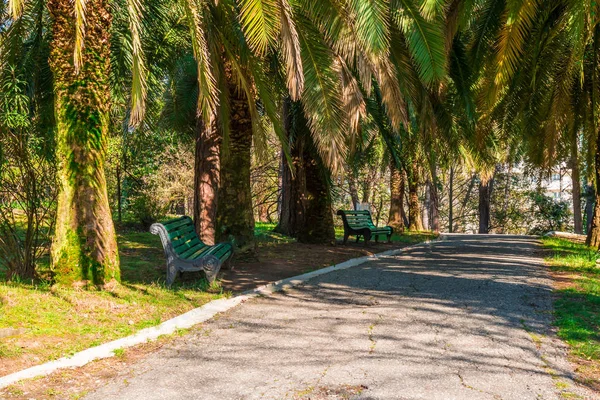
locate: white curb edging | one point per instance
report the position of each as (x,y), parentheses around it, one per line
(187,320)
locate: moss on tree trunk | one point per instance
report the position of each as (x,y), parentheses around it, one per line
(396,199)
(235,217)
(84,246)
(414,207)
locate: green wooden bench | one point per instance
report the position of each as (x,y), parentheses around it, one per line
(359,223)
(185,251)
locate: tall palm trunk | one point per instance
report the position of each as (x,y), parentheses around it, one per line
(85,246)
(396,199)
(414,208)
(593,237)
(576,179)
(434,206)
(235,217)
(353,189)
(206,179)
(307,209)
(485,194)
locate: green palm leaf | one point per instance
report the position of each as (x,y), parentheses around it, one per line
(425,40)
(207,94)
(260,21)
(371,23)
(322,96)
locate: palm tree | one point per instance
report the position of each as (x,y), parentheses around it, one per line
(84,246)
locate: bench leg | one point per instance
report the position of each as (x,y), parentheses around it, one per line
(368,238)
(376,238)
(357,238)
(211,268)
(346,237)
(389,238)
(171,274)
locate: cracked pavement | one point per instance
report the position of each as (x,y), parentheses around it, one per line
(468,317)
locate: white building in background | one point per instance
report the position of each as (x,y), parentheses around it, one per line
(558,185)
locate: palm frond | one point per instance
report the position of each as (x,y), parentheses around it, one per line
(291,51)
(519,19)
(15,8)
(354,103)
(260,21)
(371,25)
(139,71)
(322,96)
(425,40)
(208,93)
(386,75)
(80,24)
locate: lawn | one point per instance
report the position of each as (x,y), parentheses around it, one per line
(39,322)
(577,303)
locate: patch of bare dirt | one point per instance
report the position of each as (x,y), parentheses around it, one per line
(281,261)
(76,383)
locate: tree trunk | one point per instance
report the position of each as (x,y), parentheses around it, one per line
(485,193)
(353,189)
(427,206)
(414,208)
(593,237)
(235,217)
(368,186)
(576,179)
(396,199)
(451,202)
(306,209)
(85,245)
(206,179)
(434,213)
(119,195)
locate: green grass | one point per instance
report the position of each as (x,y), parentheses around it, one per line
(577,306)
(55,321)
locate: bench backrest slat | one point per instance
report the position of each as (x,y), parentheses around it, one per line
(184,240)
(358,219)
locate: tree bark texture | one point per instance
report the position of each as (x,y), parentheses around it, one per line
(307,209)
(434,206)
(593,237)
(396,199)
(84,246)
(485,194)
(206,179)
(353,189)
(576,179)
(414,207)
(235,217)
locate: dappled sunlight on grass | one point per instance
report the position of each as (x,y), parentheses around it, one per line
(51,322)
(577,306)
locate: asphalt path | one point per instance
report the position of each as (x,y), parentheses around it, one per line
(468,317)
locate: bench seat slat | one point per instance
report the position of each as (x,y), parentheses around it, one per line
(186,254)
